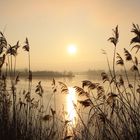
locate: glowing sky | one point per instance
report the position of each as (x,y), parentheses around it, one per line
(51,25)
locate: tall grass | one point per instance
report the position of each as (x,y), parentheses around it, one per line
(109,110)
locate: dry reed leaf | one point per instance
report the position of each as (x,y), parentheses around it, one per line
(39,89)
(135,40)
(47,118)
(3,42)
(67,137)
(53,112)
(53,82)
(11,50)
(100,92)
(81,91)
(64,88)
(114,39)
(102,117)
(17,79)
(136,31)
(119,60)
(104,77)
(136,47)
(121,81)
(86,102)
(128,56)
(111,97)
(130,86)
(89,84)
(138,89)
(136,61)
(26,46)
(134,68)
(67,121)
(2,60)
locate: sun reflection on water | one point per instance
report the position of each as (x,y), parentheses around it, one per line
(71,100)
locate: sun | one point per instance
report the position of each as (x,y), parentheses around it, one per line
(72,49)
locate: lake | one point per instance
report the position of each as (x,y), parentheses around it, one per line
(70,114)
(58,101)
(62,103)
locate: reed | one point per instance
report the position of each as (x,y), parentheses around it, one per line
(112,113)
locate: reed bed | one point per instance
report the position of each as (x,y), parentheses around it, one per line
(112,113)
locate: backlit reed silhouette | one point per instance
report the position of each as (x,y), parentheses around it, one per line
(107,110)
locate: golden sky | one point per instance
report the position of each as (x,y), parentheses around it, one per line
(51,25)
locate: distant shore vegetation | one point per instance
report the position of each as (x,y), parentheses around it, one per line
(98,72)
(46,73)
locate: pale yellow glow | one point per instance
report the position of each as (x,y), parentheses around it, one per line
(51,25)
(71,100)
(72,49)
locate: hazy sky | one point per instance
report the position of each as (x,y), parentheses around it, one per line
(51,25)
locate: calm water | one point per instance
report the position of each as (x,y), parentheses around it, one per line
(60,101)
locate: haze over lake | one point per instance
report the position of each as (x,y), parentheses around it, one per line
(69,70)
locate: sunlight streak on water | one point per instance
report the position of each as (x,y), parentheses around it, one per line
(71,98)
